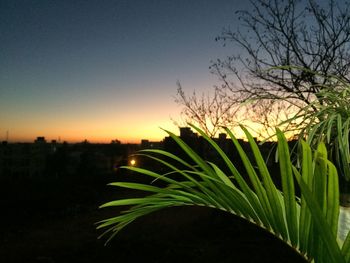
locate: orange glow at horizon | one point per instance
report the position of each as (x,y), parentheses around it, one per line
(105,132)
(98,122)
(141,120)
(94,131)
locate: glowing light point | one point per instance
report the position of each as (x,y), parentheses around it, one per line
(132,162)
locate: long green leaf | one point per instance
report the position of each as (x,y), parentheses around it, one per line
(346,248)
(305,229)
(288,188)
(261,204)
(323,229)
(238,197)
(332,198)
(250,195)
(271,190)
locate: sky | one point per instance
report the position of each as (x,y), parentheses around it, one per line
(102,70)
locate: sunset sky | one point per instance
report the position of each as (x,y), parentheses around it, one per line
(102,70)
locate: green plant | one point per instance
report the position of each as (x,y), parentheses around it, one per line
(308,224)
(327,119)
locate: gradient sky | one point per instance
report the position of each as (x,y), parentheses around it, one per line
(102,70)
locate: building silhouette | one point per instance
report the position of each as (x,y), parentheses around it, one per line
(43,158)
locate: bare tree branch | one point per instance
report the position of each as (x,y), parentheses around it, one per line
(313,39)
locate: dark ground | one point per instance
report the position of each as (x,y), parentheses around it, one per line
(41,233)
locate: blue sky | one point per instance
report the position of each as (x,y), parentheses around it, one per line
(101,70)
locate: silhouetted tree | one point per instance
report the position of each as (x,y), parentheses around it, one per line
(273,36)
(208,111)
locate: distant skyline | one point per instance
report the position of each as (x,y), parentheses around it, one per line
(104,70)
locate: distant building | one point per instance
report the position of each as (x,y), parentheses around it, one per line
(146,144)
(40,139)
(23,158)
(186,132)
(42,158)
(222,136)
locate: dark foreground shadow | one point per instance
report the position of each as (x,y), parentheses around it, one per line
(182,234)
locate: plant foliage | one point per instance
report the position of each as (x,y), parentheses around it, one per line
(327,119)
(308,223)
